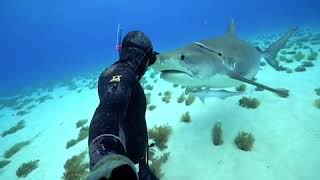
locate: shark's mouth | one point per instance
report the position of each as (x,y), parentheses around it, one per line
(174,72)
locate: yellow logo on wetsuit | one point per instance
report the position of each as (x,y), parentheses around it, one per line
(116,78)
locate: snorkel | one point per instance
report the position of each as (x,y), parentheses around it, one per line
(119,39)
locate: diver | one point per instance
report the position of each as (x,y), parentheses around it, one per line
(118,137)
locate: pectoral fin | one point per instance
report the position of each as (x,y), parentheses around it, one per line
(281,92)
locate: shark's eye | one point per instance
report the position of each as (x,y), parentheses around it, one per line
(182,57)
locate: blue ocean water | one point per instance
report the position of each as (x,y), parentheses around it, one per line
(47,41)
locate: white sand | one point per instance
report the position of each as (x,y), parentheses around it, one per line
(55,121)
(287,132)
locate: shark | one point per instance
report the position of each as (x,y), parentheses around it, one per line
(207,67)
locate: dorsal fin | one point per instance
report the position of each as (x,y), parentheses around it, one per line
(232,29)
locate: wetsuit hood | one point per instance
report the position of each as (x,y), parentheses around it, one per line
(136,51)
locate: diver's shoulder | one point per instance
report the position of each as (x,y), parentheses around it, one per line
(119,70)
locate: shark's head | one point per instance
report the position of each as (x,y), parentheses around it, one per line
(191,66)
(210,62)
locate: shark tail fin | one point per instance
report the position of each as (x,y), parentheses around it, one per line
(271,52)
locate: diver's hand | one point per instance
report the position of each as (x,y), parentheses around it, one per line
(145,172)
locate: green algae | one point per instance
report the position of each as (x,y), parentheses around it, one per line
(148,87)
(4,163)
(244,141)
(20,125)
(241,88)
(15,148)
(44,98)
(152,107)
(317,103)
(317,91)
(83,134)
(148,98)
(27,168)
(22,113)
(299,56)
(186,118)
(217,133)
(190,100)
(160,134)
(156,164)
(166,97)
(250,103)
(181,98)
(75,168)
(81,122)
(312,56)
(300,69)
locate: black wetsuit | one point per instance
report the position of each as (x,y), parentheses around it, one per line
(118,125)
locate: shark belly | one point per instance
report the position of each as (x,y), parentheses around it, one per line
(216,81)
(222,81)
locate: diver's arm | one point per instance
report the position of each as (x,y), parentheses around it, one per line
(105,133)
(145,172)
